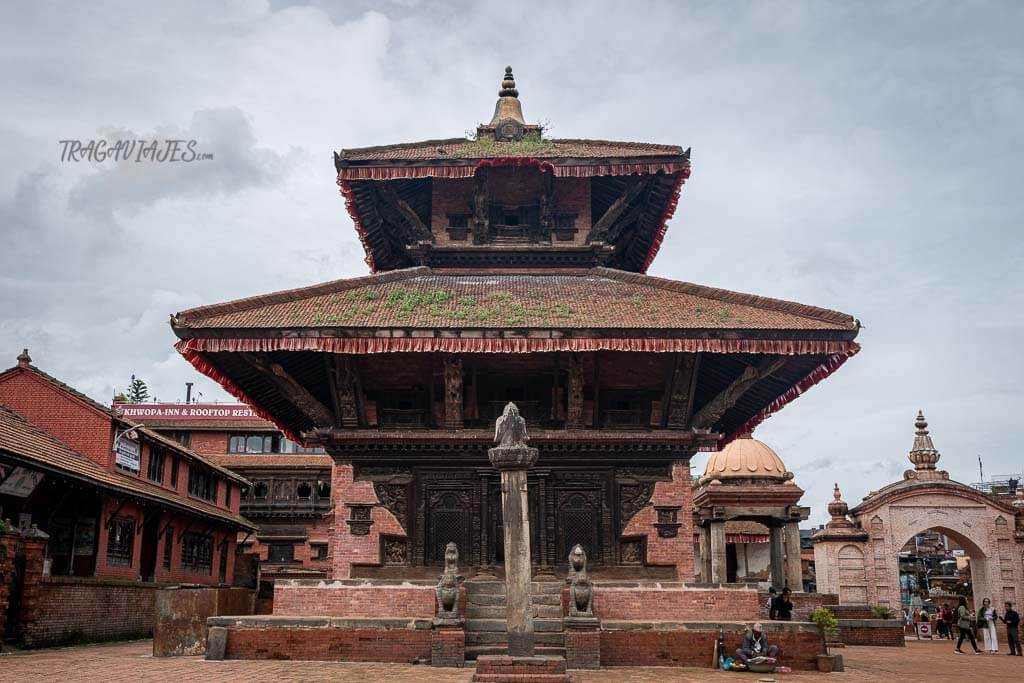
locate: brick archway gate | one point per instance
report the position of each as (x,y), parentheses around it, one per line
(856,554)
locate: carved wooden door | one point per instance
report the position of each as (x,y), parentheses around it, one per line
(447,521)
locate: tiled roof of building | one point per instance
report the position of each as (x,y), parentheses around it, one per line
(247,460)
(600,298)
(31,444)
(146,432)
(463,148)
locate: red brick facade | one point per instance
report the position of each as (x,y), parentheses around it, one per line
(354,599)
(72,609)
(346,548)
(317,640)
(693,644)
(69,418)
(675,550)
(675,603)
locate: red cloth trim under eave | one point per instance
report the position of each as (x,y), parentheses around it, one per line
(369,345)
(195,357)
(350,206)
(813,377)
(666,216)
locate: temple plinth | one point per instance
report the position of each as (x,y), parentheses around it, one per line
(512,457)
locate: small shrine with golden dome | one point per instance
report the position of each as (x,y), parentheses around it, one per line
(747,517)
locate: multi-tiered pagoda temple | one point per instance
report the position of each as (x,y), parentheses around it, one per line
(511,267)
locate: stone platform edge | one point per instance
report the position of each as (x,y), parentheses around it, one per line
(270,621)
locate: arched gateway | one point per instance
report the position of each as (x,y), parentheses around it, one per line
(858,559)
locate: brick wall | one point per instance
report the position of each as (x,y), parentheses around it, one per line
(630,601)
(70,419)
(72,609)
(347,549)
(354,598)
(677,550)
(319,639)
(203,442)
(692,644)
(876,632)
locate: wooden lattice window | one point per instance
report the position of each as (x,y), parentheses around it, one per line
(121,542)
(197,554)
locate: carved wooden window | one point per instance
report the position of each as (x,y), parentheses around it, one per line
(281,553)
(323,489)
(254,443)
(197,554)
(260,490)
(304,491)
(121,542)
(319,551)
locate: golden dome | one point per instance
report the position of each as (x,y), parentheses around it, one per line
(746,458)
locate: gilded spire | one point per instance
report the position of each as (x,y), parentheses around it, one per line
(508,84)
(923,454)
(508,109)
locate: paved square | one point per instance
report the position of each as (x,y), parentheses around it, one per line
(919,661)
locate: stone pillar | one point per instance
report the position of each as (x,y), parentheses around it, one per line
(704,543)
(718,568)
(794,572)
(8,549)
(33,543)
(512,457)
(775,546)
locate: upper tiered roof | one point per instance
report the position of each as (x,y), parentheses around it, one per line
(389,195)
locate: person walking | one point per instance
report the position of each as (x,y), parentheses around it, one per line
(965,623)
(987,618)
(1012,621)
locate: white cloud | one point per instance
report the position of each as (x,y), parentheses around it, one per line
(861,158)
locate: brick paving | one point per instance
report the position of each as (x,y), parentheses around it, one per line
(919,661)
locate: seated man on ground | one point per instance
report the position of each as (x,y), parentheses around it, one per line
(755,644)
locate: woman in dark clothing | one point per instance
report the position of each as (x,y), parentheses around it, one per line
(966,626)
(782,607)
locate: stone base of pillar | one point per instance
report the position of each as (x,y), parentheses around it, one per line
(582,646)
(448,646)
(508,669)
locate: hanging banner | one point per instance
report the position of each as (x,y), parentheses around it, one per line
(127,455)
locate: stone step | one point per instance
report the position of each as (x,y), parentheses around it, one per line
(500,638)
(485,587)
(498,611)
(499,626)
(498,600)
(474,651)
(546,587)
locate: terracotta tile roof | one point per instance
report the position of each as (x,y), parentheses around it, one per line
(145,432)
(31,444)
(246,460)
(601,298)
(463,148)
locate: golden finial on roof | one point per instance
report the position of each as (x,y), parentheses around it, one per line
(508,112)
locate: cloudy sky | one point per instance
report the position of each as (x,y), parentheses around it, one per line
(858,156)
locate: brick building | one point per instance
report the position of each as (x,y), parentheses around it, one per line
(289,495)
(118,500)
